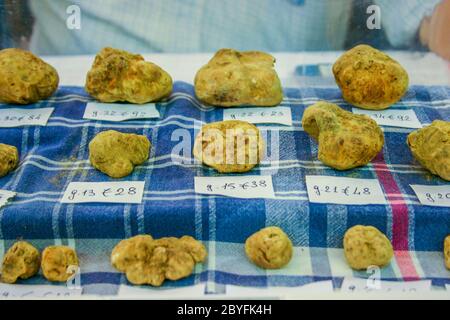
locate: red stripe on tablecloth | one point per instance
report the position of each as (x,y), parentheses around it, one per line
(400,220)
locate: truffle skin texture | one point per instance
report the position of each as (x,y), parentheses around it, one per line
(447,252)
(25,78)
(269,248)
(117,75)
(369,78)
(145,260)
(229,146)
(346,140)
(9,159)
(115,153)
(20,261)
(232,78)
(56,261)
(431,147)
(366,246)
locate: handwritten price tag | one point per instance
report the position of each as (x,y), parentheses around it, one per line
(111,192)
(236,186)
(371,285)
(120,112)
(438,196)
(5,196)
(325,189)
(13,117)
(404,118)
(281,115)
(17,291)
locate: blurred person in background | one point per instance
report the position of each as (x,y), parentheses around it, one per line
(207,25)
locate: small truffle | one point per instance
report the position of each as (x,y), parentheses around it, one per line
(346,140)
(9,159)
(229,146)
(366,246)
(115,153)
(431,147)
(447,252)
(369,78)
(232,78)
(117,75)
(148,261)
(59,263)
(269,248)
(20,261)
(25,78)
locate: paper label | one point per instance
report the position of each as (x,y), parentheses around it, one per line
(371,285)
(5,196)
(112,192)
(278,292)
(281,115)
(438,196)
(13,117)
(236,186)
(404,118)
(120,112)
(326,189)
(17,291)
(447,286)
(196,291)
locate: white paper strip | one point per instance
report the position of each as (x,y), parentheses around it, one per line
(236,186)
(120,112)
(15,117)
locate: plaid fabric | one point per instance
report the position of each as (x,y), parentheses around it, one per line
(54,155)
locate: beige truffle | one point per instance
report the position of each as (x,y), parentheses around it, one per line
(269,248)
(115,153)
(232,78)
(25,78)
(148,261)
(366,246)
(117,75)
(369,78)
(447,252)
(346,140)
(229,146)
(20,261)
(59,263)
(431,147)
(9,159)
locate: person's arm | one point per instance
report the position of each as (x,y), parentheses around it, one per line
(401,19)
(435,30)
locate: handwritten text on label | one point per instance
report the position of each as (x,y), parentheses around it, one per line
(120,112)
(236,186)
(438,196)
(405,118)
(281,115)
(17,291)
(14,117)
(364,285)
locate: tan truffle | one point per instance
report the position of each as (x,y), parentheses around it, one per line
(115,153)
(117,75)
(229,146)
(232,78)
(366,246)
(25,78)
(346,140)
(9,159)
(148,261)
(431,147)
(269,248)
(20,261)
(59,263)
(447,252)
(369,78)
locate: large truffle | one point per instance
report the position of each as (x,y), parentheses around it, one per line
(269,248)
(431,147)
(366,246)
(20,261)
(59,263)
(25,78)
(232,78)
(346,140)
(117,75)
(115,153)
(369,78)
(9,158)
(148,261)
(229,146)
